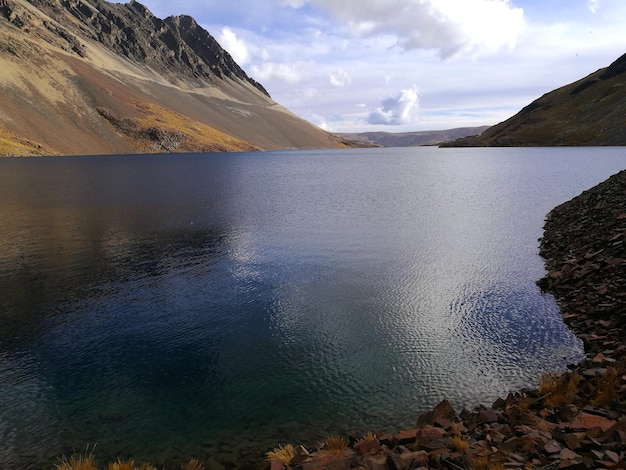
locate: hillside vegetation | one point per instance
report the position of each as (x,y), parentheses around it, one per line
(590,111)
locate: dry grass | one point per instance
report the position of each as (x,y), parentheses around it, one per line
(193,464)
(88,462)
(163,130)
(608,384)
(369,435)
(460,444)
(335,445)
(78,462)
(282,454)
(11,145)
(558,390)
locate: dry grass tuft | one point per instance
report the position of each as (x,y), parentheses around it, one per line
(122,465)
(77,462)
(460,444)
(193,464)
(282,454)
(558,390)
(369,435)
(608,384)
(336,445)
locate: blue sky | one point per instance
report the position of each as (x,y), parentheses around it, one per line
(410,65)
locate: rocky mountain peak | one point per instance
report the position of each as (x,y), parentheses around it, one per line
(177,48)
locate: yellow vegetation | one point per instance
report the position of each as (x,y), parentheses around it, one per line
(460,444)
(558,390)
(163,130)
(282,454)
(336,445)
(10,145)
(607,386)
(78,462)
(88,462)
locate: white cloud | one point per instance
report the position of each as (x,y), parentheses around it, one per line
(236,47)
(399,109)
(449,26)
(340,78)
(593,5)
(284,72)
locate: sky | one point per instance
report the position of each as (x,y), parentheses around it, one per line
(410,65)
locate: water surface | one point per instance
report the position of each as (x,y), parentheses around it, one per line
(217,305)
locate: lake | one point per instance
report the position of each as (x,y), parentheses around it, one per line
(216,305)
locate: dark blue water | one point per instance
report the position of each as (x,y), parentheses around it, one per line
(217,305)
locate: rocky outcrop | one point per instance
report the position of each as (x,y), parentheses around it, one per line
(81,77)
(176,47)
(591,111)
(576,420)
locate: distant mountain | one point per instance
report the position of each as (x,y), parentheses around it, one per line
(591,111)
(93,77)
(412,139)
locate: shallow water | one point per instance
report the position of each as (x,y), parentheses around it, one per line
(217,305)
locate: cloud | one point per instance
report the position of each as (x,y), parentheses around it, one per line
(449,26)
(236,47)
(284,72)
(399,109)
(340,78)
(593,5)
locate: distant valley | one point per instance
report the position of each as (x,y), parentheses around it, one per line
(413,139)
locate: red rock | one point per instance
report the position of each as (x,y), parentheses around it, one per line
(406,437)
(415,459)
(612,456)
(275,465)
(488,416)
(441,412)
(378,462)
(573,440)
(552,447)
(330,462)
(567,454)
(588,421)
(368,446)
(430,433)
(440,454)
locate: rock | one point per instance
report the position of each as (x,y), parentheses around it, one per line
(369,446)
(330,462)
(589,421)
(443,411)
(488,416)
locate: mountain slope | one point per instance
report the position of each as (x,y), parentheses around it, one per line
(93,77)
(591,111)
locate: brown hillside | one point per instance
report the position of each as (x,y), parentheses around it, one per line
(591,111)
(92,77)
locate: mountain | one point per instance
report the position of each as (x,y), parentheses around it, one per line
(93,77)
(412,139)
(591,111)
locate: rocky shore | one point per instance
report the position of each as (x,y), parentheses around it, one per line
(576,420)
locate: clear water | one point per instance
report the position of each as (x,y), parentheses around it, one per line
(216,305)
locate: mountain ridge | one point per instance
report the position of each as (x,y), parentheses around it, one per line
(94,77)
(590,111)
(413,139)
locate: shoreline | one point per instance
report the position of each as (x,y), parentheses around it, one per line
(576,420)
